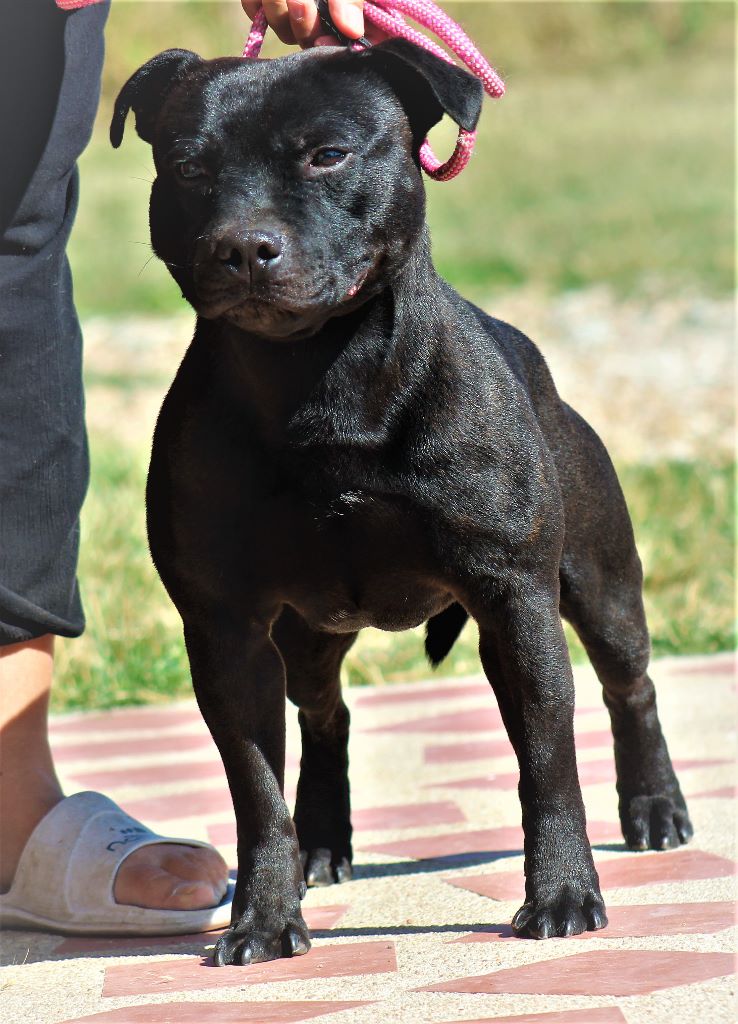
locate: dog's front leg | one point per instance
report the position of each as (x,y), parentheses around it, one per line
(239,682)
(525,658)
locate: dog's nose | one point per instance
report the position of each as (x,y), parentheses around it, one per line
(249,254)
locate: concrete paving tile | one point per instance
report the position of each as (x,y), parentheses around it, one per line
(224,1013)
(194,973)
(154,744)
(130,718)
(480,750)
(721,793)
(599,973)
(316,918)
(439,931)
(595,1015)
(719,665)
(493,840)
(486,719)
(181,805)
(397,816)
(420,694)
(639,921)
(591,773)
(178,771)
(626,871)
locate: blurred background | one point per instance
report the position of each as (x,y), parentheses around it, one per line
(597,215)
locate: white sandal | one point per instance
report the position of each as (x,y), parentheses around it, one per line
(65,876)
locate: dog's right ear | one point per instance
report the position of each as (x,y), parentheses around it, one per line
(145,90)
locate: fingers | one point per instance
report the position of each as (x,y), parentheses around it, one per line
(277,15)
(348,16)
(304,21)
(297,21)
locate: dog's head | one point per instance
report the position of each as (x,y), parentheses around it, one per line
(289,191)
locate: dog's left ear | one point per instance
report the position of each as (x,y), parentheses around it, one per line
(427,86)
(145,91)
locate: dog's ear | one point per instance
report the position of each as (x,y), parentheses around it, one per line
(145,90)
(427,86)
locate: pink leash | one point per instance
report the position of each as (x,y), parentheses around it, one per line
(387,15)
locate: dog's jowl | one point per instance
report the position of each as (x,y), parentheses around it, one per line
(350,443)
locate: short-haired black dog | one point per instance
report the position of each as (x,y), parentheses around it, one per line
(349,443)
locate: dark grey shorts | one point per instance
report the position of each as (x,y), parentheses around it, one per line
(50,65)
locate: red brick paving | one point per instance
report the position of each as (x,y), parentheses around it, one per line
(442,812)
(154,744)
(591,773)
(484,719)
(193,803)
(474,720)
(218,1013)
(421,694)
(597,1015)
(131,718)
(622,872)
(506,838)
(192,973)
(640,921)
(602,970)
(709,667)
(480,750)
(722,793)
(180,771)
(614,972)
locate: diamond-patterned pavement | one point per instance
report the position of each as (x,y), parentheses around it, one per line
(423,933)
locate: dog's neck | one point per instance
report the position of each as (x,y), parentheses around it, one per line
(356,369)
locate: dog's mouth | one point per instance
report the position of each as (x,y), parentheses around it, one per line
(277,312)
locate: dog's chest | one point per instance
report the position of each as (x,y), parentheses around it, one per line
(356,559)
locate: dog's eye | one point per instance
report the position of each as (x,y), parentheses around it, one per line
(189,169)
(328,157)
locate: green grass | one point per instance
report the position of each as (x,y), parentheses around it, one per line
(610,160)
(132,651)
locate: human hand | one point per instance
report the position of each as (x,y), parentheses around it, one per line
(297,21)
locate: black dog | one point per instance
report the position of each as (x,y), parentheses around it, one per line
(349,443)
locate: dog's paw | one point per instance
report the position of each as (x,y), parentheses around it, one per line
(566,914)
(245,943)
(322,868)
(658,822)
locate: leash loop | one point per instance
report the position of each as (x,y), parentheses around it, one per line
(389,17)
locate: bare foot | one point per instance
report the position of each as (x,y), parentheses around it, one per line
(162,876)
(171,877)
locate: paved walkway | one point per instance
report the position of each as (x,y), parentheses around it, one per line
(422,934)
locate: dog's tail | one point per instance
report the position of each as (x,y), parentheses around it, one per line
(442,632)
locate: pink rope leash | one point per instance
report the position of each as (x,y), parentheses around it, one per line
(387,15)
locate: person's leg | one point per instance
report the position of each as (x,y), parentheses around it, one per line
(49,81)
(165,875)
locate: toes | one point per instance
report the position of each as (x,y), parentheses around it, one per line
(344,871)
(227,948)
(683,826)
(147,885)
(295,943)
(238,947)
(596,917)
(320,868)
(655,822)
(569,915)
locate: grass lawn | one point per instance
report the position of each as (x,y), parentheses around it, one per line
(610,159)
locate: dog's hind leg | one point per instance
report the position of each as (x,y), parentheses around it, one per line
(601,595)
(322,808)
